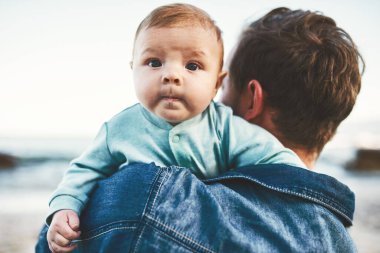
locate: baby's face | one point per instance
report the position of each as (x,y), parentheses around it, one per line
(176,71)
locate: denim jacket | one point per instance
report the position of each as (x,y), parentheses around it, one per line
(265,208)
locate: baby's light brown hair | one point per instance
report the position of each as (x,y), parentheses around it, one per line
(181,15)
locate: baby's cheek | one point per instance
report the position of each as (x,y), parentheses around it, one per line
(149,100)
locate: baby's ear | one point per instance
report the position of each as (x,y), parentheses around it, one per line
(219,81)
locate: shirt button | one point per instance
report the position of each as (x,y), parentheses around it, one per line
(175,138)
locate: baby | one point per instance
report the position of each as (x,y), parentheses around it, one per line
(177,70)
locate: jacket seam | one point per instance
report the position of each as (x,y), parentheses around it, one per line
(178,234)
(93,233)
(139,238)
(323,197)
(290,193)
(155,189)
(102,233)
(162,177)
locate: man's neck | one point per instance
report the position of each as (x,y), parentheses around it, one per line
(265,120)
(307,157)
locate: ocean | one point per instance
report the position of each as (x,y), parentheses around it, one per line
(25,189)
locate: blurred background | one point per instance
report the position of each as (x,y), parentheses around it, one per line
(64,70)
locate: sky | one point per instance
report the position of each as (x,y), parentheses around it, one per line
(64,65)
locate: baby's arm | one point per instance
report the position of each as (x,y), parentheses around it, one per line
(81,177)
(63,229)
(250,145)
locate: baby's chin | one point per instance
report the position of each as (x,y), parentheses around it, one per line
(174,113)
(173,118)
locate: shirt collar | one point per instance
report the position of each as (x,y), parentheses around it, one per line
(163,124)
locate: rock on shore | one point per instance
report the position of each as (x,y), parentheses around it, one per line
(366,160)
(7,161)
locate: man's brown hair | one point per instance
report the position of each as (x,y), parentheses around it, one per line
(308,68)
(181,15)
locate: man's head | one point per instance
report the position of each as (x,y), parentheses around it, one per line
(308,69)
(177,62)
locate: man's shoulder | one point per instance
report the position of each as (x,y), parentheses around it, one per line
(300,183)
(291,204)
(260,209)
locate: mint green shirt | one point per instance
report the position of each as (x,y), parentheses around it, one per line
(209,144)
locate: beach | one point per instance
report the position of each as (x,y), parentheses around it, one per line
(21,220)
(24,194)
(25,190)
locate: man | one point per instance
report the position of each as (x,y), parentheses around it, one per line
(294,73)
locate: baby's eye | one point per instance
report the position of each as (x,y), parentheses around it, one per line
(154,63)
(192,66)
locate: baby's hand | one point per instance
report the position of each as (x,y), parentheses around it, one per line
(63,229)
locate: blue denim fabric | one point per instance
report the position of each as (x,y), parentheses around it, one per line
(265,208)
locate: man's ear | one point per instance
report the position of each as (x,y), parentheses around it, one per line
(219,81)
(256,100)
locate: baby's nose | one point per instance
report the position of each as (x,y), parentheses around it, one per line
(171,75)
(170,79)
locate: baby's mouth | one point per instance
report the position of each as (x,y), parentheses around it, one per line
(171,102)
(170,98)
